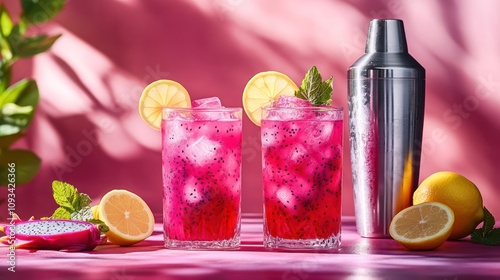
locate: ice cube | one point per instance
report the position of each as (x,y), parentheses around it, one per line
(322,131)
(212,104)
(286,197)
(290,101)
(298,153)
(202,151)
(191,192)
(209,102)
(302,187)
(291,113)
(270,188)
(173,131)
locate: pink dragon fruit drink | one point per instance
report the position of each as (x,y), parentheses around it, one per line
(201,156)
(302,174)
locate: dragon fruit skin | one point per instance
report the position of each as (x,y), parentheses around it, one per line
(64,235)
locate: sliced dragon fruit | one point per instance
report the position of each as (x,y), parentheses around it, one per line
(64,235)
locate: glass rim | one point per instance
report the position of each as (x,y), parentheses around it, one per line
(183,109)
(309,108)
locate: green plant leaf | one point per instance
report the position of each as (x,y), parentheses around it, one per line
(7,129)
(6,26)
(22,93)
(35,45)
(11,109)
(17,106)
(27,165)
(23,25)
(29,46)
(7,140)
(5,21)
(5,49)
(38,11)
(14,118)
(5,76)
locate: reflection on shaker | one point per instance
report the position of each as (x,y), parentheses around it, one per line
(386,89)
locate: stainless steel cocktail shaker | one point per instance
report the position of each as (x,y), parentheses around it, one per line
(386,89)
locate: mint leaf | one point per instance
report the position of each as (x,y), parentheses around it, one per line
(74,205)
(487,235)
(61,213)
(491,238)
(66,196)
(84,201)
(83,214)
(100,224)
(489,220)
(314,89)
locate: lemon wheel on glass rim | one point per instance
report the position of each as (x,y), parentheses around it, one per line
(158,95)
(264,88)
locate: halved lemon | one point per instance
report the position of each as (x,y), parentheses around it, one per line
(127,216)
(424,226)
(264,88)
(158,95)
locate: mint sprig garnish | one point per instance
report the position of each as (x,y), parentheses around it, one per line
(314,89)
(487,234)
(73,205)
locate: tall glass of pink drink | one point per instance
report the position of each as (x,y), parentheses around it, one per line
(201,156)
(302,176)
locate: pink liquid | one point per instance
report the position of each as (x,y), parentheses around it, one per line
(302,173)
(201,173)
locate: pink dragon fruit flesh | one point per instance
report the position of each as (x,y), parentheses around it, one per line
(64,235)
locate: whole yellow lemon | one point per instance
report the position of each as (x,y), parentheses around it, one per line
(458,193)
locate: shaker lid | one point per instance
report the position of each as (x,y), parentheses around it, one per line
(386,53)
(386,35)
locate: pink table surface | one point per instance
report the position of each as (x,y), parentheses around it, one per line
(358,258)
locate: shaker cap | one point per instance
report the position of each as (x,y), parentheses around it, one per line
(386,35)
(386,53)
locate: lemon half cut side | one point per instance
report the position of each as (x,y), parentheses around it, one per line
(424,226)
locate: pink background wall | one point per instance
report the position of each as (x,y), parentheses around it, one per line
(88,132)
